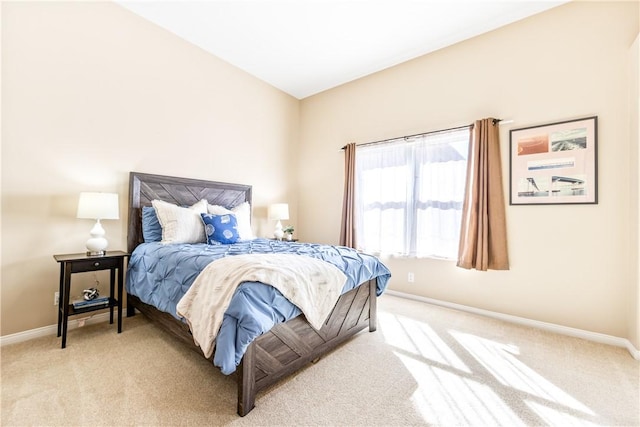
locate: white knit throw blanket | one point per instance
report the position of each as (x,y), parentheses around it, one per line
(311,284)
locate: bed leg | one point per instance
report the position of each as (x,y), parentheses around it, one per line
(131,311)
(373,308)
(247,382)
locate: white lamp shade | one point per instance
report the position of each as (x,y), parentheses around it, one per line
(278,211)
(98,206)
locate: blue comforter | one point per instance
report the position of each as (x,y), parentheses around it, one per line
(161,274)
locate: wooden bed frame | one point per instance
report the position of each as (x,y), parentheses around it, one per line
(287,347)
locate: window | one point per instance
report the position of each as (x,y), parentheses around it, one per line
(409,194)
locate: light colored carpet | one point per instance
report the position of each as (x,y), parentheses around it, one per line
(426,365)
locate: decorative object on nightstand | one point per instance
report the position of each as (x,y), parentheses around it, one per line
(277,212)
(97,206)
(288,231)
(80,263)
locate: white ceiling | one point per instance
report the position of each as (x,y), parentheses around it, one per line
(304,47)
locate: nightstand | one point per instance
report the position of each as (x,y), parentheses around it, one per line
(80,263)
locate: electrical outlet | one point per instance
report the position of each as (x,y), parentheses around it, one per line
(56,298)
(410,277)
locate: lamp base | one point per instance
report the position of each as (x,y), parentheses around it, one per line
(96,253)
(97,244)
(278,233)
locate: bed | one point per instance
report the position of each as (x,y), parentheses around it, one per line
(278,350)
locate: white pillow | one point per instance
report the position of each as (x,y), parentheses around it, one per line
(218,210)
(243,218)
(181,225)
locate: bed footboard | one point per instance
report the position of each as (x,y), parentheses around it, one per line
(289,346)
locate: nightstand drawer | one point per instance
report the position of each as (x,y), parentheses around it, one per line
(94,264)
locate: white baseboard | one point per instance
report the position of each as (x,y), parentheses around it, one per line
(551,327)
(76,322)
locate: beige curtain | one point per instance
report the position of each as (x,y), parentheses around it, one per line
(483,235)
(347,231)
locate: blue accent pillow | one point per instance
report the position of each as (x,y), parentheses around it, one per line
(151,228)
(220,228)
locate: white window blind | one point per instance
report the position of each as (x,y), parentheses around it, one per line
(409,194)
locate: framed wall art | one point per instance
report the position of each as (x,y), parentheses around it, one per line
(554,164)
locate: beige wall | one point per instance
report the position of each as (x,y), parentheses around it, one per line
(90,92)
(634,160)
(570,265)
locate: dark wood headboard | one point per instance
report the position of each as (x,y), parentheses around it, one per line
(143,188)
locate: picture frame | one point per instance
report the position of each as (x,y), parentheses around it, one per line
(555,163)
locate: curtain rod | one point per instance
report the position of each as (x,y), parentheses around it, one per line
(418,134)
